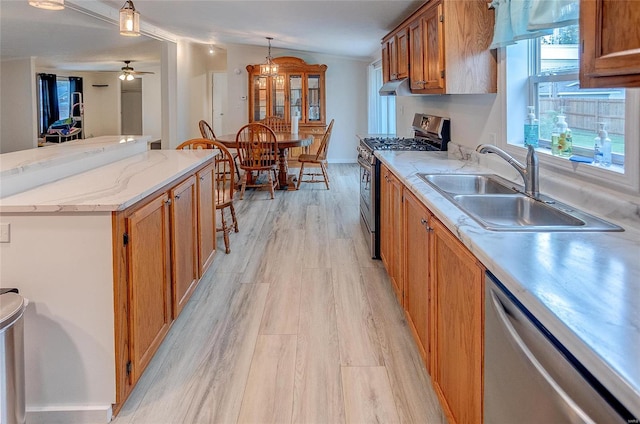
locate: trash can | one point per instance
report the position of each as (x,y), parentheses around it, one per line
(12,403)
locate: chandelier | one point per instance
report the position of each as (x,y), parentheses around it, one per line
(129,20)
(269,69)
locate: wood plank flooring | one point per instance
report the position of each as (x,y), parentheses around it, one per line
(296,325)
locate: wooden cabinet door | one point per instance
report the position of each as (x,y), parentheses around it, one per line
(391,228)
(386,64)
(184,239)
(149,298)
(433,49)
(610,43)
(393,58)
(206,218)
(402,43)
(417,291)
(458,327)
(416,73)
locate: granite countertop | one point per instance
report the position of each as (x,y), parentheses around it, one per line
(584,287)
(111,187)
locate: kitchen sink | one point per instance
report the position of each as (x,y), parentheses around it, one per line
(469,183)
(498,205)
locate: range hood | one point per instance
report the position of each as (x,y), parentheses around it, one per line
(396,88)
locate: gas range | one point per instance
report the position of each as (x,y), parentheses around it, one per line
(397,143)
(431,133)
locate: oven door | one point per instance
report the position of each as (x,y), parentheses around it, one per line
(368,209)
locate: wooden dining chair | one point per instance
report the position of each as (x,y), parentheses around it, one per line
(276,123)
(319,158)
(224,184)
(257,152)
(207,132)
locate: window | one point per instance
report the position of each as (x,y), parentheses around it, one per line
(59,98)
(543,72)
(554,90)
(382,109)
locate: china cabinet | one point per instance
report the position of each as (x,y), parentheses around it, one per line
(298,89)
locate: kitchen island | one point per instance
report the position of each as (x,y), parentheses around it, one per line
(582,286)
(69,254)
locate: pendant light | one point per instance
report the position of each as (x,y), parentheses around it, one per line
(129,20)
(47,4)
(269,69)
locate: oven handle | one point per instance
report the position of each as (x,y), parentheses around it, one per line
(366,165)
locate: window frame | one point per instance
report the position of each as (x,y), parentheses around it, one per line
(511,140)
(382,109)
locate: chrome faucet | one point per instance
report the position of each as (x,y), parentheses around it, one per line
(529,173)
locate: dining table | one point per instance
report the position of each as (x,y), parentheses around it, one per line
(286,140)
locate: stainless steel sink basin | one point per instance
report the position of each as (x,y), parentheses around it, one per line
(469,183)
(514,211)
(496,204)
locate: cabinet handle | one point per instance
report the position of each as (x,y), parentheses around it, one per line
(202,178)
(168,202)
(425,224)
(177,196)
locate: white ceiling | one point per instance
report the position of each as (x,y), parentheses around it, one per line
(70,39)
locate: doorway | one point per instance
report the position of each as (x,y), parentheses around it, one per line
(218,96)
(131,107)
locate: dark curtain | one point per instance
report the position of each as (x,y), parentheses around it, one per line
(49,112)
(75,86)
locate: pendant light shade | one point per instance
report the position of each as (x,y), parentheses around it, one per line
(129,20)
(47,4)
(269,69)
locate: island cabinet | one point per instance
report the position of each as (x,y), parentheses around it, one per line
(163,245)
(448,48)
(395,63)
(417,281)
(458,290)
(610,42)
(391,229)
(298,88)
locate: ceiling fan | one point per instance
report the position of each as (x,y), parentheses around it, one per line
(128,72)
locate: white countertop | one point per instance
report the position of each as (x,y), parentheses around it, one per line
(111,187)
(584,287)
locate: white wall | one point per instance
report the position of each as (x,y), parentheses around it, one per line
(18,113)
(474,117)
(346,91)
(152,105)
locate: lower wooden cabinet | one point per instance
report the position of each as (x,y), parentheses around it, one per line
(149,282)
(391,228)
(442,286)
(417,290)
(206,218)
(162,245)
(184,242)
(458,327)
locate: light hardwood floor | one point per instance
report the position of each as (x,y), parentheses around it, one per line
(296,325)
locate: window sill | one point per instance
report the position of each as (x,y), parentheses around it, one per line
(614,176)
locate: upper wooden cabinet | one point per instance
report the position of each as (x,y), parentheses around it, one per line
(299,87)
(610,38)
(397,60)
(448,44)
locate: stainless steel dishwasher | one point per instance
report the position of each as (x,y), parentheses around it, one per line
(529,377)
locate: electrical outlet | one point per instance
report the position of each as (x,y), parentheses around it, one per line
(4,232)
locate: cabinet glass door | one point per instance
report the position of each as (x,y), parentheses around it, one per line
(295,95)
(259,87)
(278,96)
(313,97)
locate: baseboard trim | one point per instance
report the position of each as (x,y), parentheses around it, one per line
(100,414)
